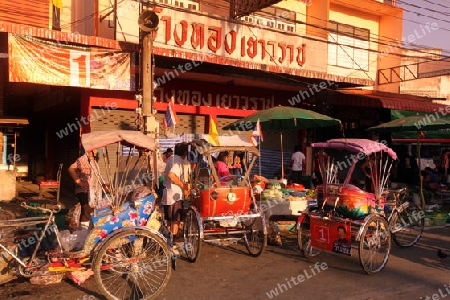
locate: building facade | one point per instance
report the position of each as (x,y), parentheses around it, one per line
(73,67)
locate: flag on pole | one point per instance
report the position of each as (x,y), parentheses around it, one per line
(57,3)
(170,119)
(257,135)
(213,137)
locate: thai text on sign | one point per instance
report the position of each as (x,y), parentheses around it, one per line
(217,99)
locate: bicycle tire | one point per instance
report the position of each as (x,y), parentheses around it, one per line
(407,226)
(134,264)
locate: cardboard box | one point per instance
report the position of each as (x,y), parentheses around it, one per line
(293,208)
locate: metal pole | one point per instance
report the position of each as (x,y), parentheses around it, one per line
(282,156)
(148,23)
(147,84)
(15,150)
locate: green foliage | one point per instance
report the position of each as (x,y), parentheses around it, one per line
(427,194)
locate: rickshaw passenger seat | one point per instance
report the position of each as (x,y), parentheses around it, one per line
(204,176)
(107,210)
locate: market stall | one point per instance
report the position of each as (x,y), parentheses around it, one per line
(282,205)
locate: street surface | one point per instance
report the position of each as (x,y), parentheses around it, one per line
(230,273)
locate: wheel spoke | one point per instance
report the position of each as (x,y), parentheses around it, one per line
(374,245)
(138,266)
(255,239)
(191,234)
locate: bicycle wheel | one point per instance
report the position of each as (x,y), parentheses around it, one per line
(374,244)
(304,240)
(255,237)
(134,264)
(191,234)
(407,225)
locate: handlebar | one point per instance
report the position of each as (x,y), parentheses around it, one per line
(398,191)
(54,211)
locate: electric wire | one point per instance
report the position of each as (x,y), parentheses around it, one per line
(297,22)
(378,39)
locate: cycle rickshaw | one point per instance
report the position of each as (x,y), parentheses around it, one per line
(127,246)
(223,207)
(347,214)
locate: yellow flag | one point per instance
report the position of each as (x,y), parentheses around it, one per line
(57,3)
(213,137)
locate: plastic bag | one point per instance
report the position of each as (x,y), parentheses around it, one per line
(73,241)
(79,277)
(47,278)
(73,216)
(67,240)
(79,236)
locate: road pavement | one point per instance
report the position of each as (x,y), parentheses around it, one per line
(228,272)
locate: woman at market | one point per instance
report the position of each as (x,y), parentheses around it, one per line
(222,168)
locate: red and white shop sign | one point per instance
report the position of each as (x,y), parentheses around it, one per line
(200,37)
(191,93)
(213,37)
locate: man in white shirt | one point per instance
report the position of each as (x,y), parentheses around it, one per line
(297,161)
(176,187)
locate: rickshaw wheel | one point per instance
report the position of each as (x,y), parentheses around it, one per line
(304,240)
(374,244)
(407,226)
(191,234)
(255,238)
(134,264)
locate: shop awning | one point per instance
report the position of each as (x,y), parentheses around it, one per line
(7,121)
(370,98)
(437,136)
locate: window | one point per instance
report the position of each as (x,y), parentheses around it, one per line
(348,46)
(273,17)
(189,4)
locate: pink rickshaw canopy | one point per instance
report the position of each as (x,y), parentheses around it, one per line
(356,145)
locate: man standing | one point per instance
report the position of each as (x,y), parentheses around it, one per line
(297,162)
(87,189)
(167,154)
(176,187)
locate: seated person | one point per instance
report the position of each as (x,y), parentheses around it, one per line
(430,179)
(222,167)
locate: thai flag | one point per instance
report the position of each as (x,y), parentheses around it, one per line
(257,135)
(170,119)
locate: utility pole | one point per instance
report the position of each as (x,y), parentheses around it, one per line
(148,22)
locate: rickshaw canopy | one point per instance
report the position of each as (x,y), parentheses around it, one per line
(94,140)
(227,143)
(356,145)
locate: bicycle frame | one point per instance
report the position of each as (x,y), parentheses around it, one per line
(48,221)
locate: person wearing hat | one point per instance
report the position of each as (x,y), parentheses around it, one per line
(168,153)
